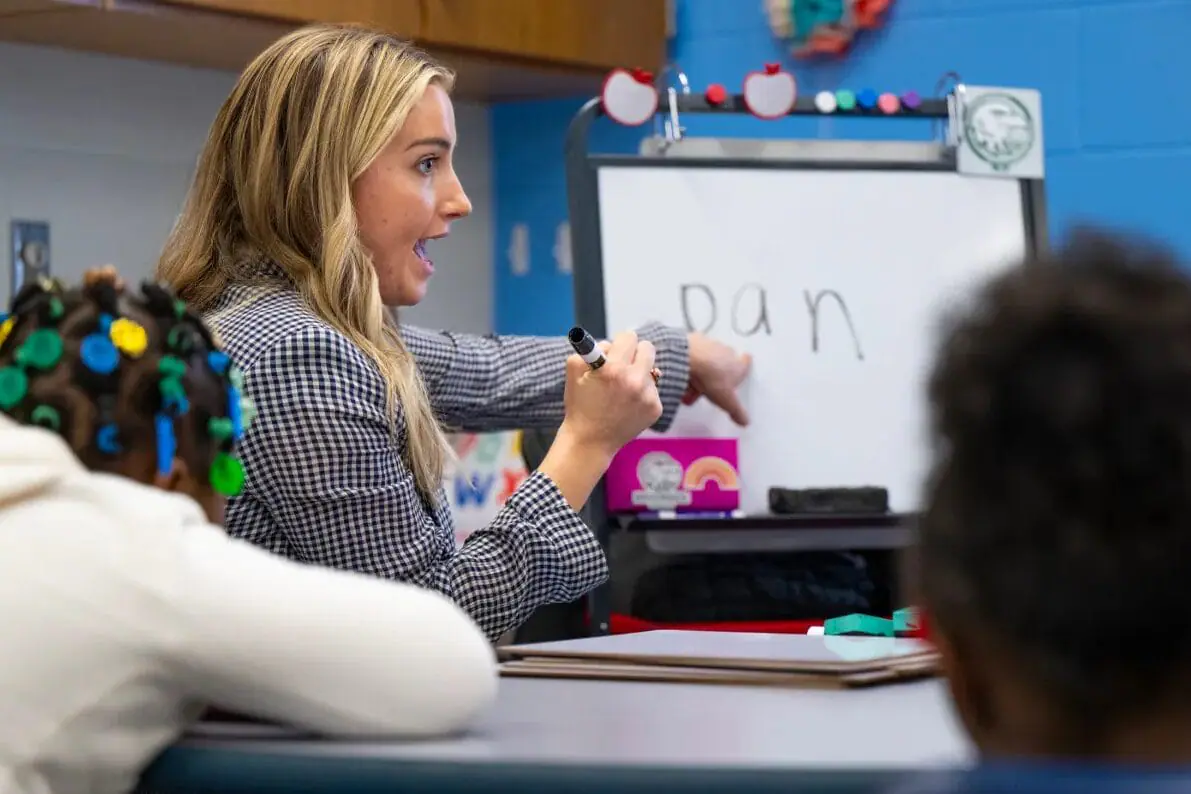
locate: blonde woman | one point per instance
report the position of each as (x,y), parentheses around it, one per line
(325,175)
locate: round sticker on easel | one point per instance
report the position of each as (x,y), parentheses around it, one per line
(771,93)
(629,97)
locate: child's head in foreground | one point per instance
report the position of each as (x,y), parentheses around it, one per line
(1055,548)
(133,382)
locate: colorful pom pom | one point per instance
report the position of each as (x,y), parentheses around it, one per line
(6,328)
(13,387)
(218,361)
(46,416)
(42,349)
(129,337)
(220,429)
(107,439)
(167,443)
(227,475)
(99,355)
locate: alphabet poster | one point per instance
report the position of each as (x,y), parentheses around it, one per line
(490,468)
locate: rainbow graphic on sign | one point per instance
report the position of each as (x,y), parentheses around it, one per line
(680,474)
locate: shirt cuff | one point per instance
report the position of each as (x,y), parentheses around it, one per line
(674,360)
(538,501)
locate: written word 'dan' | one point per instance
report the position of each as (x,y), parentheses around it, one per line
(748,312)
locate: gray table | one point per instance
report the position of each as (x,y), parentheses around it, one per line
(582,736)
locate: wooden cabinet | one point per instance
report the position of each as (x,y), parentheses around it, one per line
(599,34)
(402,17)
(501,49)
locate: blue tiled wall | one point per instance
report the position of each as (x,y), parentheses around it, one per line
(1112,75)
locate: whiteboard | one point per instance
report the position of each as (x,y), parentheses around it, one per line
(843,405)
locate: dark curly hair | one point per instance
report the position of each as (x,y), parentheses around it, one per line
(1057,516)
(113,371)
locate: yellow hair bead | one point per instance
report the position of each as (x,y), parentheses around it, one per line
(129,337)
(6,328)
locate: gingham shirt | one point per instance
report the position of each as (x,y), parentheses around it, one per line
(327,485)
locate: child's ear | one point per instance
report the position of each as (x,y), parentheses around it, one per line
(175,479)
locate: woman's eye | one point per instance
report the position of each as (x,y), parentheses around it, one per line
(427,165)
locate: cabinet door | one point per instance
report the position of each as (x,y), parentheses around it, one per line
(400,17)
(599,34)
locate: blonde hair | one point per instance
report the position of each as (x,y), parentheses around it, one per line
(273,184)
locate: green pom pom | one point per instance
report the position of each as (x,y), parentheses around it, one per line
(171,367)
(42,349)
(227,475)
(46,416)
(180,339)
(13,387)
(220,429)
(247,412)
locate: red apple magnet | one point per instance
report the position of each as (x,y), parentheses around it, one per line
(629,96)
(770,94)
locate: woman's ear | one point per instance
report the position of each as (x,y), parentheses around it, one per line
(175,479)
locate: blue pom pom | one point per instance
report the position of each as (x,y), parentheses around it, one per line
(99,354)
(107,438)
(167,444)
(235,413)
(218,361)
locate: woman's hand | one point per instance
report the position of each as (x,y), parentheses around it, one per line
(610,406)
(605,409)
(716,373)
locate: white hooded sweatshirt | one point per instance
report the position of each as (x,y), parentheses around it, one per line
(123,613)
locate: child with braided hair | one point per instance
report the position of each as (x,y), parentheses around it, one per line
(127,610)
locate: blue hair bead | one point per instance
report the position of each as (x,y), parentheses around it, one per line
(105,323)
(167,444)
(107,439)
(99,354)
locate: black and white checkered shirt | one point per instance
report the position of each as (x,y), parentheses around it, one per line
(326,484)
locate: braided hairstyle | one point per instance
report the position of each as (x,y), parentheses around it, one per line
(119,374)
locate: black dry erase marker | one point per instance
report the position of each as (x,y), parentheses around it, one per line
(585,345)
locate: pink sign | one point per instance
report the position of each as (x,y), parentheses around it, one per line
(674,474)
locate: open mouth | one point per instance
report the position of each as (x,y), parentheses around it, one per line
(420,250)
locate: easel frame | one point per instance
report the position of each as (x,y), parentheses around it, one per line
(582,176)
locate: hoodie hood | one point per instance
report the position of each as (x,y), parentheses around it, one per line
(31,460)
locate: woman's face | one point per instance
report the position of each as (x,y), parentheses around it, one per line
(408,196)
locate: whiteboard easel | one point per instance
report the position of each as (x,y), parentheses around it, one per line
(666,194)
